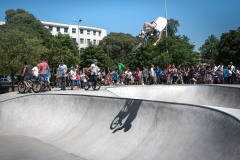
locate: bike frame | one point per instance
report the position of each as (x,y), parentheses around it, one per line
(145,37)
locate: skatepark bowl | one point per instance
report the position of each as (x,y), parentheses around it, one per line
(138,123)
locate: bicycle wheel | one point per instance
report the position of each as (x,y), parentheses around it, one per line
(98,86)
(21,87)
(86,86)
(36,86)
(116,122)
(137,46)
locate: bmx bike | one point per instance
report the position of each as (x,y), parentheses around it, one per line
(144,37)
(35,86)
(90,83)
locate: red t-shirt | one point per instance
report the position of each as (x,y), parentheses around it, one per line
(77,76)
(42,67)
(169,68)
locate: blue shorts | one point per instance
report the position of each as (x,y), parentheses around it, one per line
(43,78)
(78,83)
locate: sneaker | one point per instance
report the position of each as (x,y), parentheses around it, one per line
(194,79)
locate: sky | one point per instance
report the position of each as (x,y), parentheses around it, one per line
(198,19)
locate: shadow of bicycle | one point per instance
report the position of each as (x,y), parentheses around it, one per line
(126,116)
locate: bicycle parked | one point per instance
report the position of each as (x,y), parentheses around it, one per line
(34,84)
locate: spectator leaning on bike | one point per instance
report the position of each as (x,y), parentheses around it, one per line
(94,72)
(62,70)
(27,74)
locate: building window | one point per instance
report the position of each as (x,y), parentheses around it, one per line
(88,32)
(65,30)
(81,31)
(74,39)
(73,30)
(94,41)
(88,41)
(100,34)
(50,28)
(58,29)
(94,33)
(81,41)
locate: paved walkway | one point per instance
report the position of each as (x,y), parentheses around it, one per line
(101,92)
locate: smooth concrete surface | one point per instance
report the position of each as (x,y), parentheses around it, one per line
(211,95)
(224,98)
(58,127)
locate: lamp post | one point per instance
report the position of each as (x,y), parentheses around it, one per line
(80,20)
(167,24)
(166,14)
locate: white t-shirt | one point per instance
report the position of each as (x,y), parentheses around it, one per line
(232,68)
(152,72)
(220,68)
(35,71)
(94,68)
(83,78)
(73,74)
(128,74)
(161,23)
(62,69)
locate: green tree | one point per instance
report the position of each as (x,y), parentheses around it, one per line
(118,46)
(23,21)
(94,52)
(209,49)
(17,48)
(172,27)
(229,48)
(62,47)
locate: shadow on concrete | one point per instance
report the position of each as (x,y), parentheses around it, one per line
(126,116)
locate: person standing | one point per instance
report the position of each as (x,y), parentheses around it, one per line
(107,69)
(144,75)
(73,77)
(169,73)
(121,73)
(78,79)
(115,77)
(110,77)
(27,74)
(42,67)
(221,68)
(233,70)
(157,71)
(62,70)
(35,72)
(153,78)
(225,75)
(94,72)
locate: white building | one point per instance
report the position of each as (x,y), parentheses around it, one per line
(84,37)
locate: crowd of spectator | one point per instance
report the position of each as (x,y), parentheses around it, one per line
(199,74)
(62,76)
